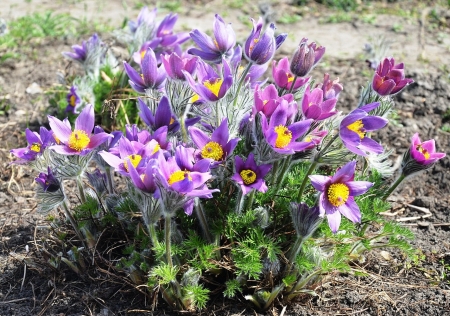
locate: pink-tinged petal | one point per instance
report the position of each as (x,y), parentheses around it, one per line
(135,177)
(279,117)
(126,148)
(204,193)
(368,144)
(86,120)
(98,139)
(358,187)
(199,138)
(351,210)
(351,147)
(401,84)
(300,146)
(415,140)
(386,87)
(111,159)
(60,129)
(319,182)
(346,173)
(328,105)
(429,146)
(312,112)
(64,150)
(334,220)
(199,178)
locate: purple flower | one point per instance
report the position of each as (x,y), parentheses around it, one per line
(305,219)
(211,86)
(152,77)
(267,100)
(389,78)
(282,76)
(217,147)
(145,179)
(306,57)
(356,125)
(213,50)
(80,141)
(145,17)
(331,89)
(249,175)
(175,65)
(315,107)
(315,138)
(163,115)
(337,195)
(281,137)
(48,181)
(36,145)
(73,100)
(260,48)
(424,153)
(83,51)
(130,153)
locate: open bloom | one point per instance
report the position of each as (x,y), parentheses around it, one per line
(81,140)
(306,57)
(260,48)
(281,137)
(211,86)
(175,65)
(389,78)
(213,50)
(356,125)
(267,100)
(337,194)
(93,47)
(152,76)
(249,175)
(283,77)
(315,107)
(73,100)
(36,145)
(424,153)
(217,147)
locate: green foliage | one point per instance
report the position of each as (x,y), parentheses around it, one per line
(197,294)
(233,286)
(164,273)
(345,5)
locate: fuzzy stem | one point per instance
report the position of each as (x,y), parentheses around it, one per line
(183,125)
(109,180)
(283,172)
(294,251)
(393,187)
(250,200)
(241,81)
(167,233)
(312,167)
(73,223)
(239,201)
(153,236)
(81,189)
(292,85)
(202,219)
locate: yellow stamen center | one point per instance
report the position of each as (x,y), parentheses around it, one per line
(308,138)
(178,176)
(143,52)
(290,77)
(195,98)
(358,128)
(213,85)
(134,159)
(216,44)
(56,139)
(212,150)
(248,176)
(72,100)
(157,147)
(78,140)
(284,136)
(423,151)
(36,147)
(252,45)
(171,121)
(338,194)
(265,102)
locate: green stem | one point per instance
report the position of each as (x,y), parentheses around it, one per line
(183,126)
(202,219)
(292,85)
(167,233)
(250,200)
(274,172)
(393,187)
(81,189)
(153,236)
(109,180)
(284,169)
(241,81)
(294,251)
(73,223)
(239,202)
(312,167)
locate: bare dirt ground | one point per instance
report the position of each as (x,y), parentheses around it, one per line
(390,287)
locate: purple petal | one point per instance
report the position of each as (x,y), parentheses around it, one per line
(368,144)
(134,76)
(60,129)
(111,159)
(351,210)
(199,138)
(358,187)
(334,220)
(221,134)
(98,139)
(319,182)
(85,121)
(373,123)
(346,173)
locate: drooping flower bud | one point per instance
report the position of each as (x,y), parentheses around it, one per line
(305,58)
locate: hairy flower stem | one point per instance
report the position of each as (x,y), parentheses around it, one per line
(393,187)
(109,180)
(250,200)
(311,169)
(286,164)
(183,125)
(202,219)
(167,233)
(73,223)
(295,250)
(239,202)
(241,81)
(301,283)
(81,189)
(153,236)
(292,84)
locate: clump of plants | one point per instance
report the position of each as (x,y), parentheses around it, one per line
(223,181)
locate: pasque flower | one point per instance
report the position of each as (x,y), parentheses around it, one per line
(152,76)
(424,153)
(81,140)
(48,181)
(337,194)
(389,78)
(331,89)
(279,135)
(163,115)
(355,126)
(218,146)
(249,175)
(81,53)
(175,65)
(36,145)
(145,17)
(213,50)
(306,57)
(315,107)
(73,100)
(260,48)
(267,100)
(283,77)
(211,86)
